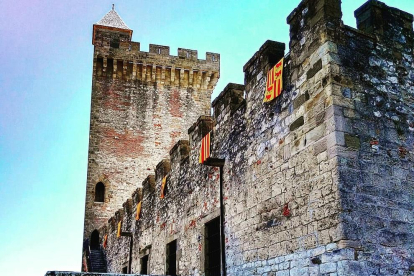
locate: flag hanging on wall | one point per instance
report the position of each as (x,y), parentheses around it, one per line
(274,84)
(118,234)
(205,148)
(164,182)
(137,216)
(85,264)
(105,241)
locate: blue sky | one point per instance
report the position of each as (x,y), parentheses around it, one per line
(45,85)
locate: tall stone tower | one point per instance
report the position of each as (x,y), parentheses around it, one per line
(142,104)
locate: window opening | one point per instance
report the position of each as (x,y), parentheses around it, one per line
(171,261)
(100,192)
(212,248)
(125,270)
(114,43)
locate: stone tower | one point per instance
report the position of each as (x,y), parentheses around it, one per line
(142,104)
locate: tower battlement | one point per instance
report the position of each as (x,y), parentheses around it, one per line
(117,57)
(157,66)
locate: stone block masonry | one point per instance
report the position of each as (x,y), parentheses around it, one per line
(319,181)
(142,104)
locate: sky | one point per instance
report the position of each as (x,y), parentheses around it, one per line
(46,56)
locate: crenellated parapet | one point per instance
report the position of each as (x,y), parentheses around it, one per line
(389,24)
(127,206)
(148,186)
(180,151)
(125,61)
(228,101)
(261,62)
(201,127)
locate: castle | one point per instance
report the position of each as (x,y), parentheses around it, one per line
(318,181)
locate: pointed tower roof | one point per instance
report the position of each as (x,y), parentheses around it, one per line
(111,22)
(112,19)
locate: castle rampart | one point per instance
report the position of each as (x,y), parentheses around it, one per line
(317,182)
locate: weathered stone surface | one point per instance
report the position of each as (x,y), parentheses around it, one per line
(316,184)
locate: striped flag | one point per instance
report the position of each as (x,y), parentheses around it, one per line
(85,264)
(105,241)
(137,216)
(118,234)
(164,181)
(274,84)
(205,149)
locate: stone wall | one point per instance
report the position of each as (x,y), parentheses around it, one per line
(375,112)
(142,104)
(316,182)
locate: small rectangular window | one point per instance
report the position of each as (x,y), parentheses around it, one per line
(171,258)
(114,43)
(212,248)
(144,265)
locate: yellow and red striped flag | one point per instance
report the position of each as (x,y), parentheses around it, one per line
(118,234)
(164,181)
(274,84)
(137,216)
(105,241)
(205,149)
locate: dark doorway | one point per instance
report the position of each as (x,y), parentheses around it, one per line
(144,265)
(212,248)
(100,192)
(171,261)
(125,270)
(95,240)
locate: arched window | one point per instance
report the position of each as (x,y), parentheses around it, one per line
(100,192)
(94,239)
